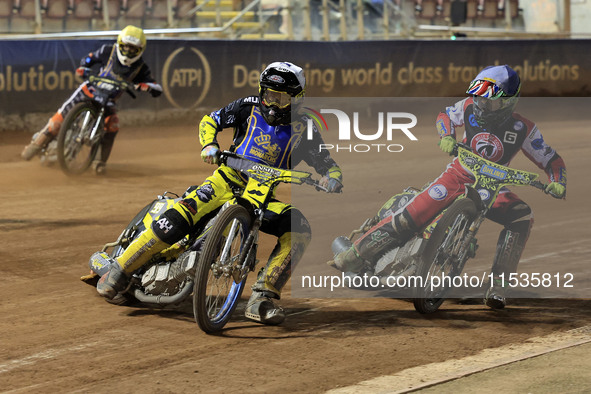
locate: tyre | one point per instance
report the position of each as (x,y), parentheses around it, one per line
(75,150)
(443,255)
(216,294)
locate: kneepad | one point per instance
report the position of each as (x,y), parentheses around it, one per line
(287,221)
(171,227)
(112,123)
(299,223)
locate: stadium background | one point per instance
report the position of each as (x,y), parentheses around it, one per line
(58,335)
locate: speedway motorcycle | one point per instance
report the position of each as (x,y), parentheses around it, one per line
(443,247)
(82,131)
(210,265)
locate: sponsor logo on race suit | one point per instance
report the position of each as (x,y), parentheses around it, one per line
(488,146)
(267,144)
(438,192)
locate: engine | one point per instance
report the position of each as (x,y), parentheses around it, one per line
(166,278)
(399,261)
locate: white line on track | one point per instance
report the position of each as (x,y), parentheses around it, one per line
(561,252)
(414,378)
(564,222)
(305,311)
(44,355)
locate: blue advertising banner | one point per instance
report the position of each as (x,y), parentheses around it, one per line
(37,76)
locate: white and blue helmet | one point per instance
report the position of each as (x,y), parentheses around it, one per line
(495,91)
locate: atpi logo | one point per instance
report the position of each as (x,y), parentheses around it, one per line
(438,192)
(388,125)
(186,77)
(484,194)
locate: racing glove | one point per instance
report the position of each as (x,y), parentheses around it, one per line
(556,190)
(83,72)
(154,89)
(144,87)
(332,181)
(210,154)
(447,144)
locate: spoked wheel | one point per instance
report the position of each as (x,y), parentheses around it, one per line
(75,150)
(444,256)
(216,293)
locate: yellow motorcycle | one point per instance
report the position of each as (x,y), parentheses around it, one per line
(211,263)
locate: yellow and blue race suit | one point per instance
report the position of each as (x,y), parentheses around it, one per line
(258,141)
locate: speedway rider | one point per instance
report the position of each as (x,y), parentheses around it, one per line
(263,132)
(496,133)
(120,61)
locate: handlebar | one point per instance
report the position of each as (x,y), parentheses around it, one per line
(93,79)
(223,157)
(537,184)
(454,152)
(317,185)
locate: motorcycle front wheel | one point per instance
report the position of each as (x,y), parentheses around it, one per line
(75,150)
(216,293)
(444,255)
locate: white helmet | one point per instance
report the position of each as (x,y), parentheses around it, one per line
(279,83)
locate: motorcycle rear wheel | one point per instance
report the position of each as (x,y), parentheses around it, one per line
(443,255)
(75,153)
(216,294)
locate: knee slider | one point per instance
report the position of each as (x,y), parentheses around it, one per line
(171,227)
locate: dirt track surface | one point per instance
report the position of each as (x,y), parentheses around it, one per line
(58,335)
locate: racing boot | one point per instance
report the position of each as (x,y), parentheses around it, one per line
(388,234)
(43,137)
(262,309)
(274,275)
(509,248)
(113,282)
(39,141)
(99,166)
(494,297)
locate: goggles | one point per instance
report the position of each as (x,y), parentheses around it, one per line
(493,105)
(129,50)
(486,89)
(275,98)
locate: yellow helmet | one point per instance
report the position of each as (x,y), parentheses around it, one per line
(131,43)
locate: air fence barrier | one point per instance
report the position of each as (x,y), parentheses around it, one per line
(37,76)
